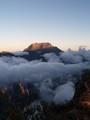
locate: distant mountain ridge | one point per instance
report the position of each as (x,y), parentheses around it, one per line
(35,51)
(38,46)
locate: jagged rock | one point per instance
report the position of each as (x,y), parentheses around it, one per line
(34,111)
(82,94)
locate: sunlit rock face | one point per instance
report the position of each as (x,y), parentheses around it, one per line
(38,46)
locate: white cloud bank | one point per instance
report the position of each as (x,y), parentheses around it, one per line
(54,79)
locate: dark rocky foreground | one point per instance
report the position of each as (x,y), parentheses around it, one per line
(26,105)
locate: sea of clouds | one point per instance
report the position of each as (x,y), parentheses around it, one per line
(54,79)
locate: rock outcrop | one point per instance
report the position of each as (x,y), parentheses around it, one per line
(82,95)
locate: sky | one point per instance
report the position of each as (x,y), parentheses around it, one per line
(63,23)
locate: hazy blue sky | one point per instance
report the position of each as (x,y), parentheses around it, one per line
(64,23)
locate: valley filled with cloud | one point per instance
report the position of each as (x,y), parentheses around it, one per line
(54,79)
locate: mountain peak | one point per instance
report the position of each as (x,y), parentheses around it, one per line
(38,46)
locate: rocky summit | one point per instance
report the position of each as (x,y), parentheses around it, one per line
(38,46)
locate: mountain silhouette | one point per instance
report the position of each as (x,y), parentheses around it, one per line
(37,50)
